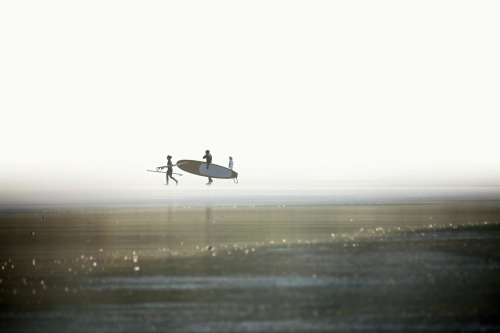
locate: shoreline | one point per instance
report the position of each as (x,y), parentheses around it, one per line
(224,197)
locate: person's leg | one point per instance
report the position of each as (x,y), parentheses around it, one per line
(169,175)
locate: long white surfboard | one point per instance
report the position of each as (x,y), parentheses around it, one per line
(199,168)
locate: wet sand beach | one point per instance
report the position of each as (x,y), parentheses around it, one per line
(408,267)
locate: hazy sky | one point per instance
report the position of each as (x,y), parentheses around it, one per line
(93,93)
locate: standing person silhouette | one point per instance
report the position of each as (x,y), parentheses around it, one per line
(230,163)
(208,157)
(170,170)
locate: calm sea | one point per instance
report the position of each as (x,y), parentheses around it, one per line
(334,260)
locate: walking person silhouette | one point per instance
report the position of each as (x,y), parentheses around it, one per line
(208,157)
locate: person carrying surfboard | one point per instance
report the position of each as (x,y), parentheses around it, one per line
(170,170)
(208,157)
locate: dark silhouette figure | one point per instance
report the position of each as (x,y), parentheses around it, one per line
(170,170)
(208,157)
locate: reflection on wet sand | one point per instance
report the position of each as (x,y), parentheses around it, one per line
(404,267)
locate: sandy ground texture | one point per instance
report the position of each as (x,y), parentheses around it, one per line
(415,267)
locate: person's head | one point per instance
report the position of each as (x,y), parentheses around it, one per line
(230,158)
(207,151)
(169,157)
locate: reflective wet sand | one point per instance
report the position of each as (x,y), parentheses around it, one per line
(414,267)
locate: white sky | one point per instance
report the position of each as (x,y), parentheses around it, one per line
(93,93)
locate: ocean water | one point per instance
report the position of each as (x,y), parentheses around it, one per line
(349,260)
